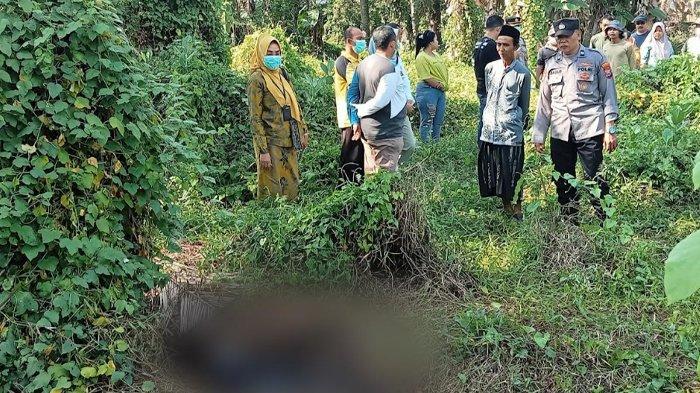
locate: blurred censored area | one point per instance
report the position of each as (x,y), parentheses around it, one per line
(294,343)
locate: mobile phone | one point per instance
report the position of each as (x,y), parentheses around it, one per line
(286,113)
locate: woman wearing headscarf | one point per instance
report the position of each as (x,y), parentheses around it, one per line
(279,131)
(434,82)
(656,46)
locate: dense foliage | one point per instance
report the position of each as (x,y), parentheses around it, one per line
(661,113)
(94,142)
(83,156)
(156,24)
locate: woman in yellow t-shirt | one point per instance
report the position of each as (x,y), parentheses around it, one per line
(434,82)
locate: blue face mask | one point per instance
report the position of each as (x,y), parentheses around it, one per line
(395,60)
(360,46)
(272,62)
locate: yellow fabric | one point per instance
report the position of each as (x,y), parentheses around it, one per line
(283,178)
(266,120)
(432,67)
(340,85)
(275,82)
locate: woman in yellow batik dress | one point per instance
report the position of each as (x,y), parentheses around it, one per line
(279,132)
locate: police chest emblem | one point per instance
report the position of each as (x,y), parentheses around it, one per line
(583,85)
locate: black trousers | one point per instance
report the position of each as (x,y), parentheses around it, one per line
(352,158)
(564,155)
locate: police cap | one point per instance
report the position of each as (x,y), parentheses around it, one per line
(566,27)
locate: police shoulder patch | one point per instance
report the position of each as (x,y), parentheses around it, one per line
(607,70)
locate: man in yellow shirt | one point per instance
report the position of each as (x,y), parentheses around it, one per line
(351,151)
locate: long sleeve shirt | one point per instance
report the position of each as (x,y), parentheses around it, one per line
(507,103)
(577,93)
(374,100)
(405,86)
(266,119)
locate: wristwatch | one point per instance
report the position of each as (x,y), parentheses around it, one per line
(612,129)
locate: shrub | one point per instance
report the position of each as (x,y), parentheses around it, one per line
(83,154)
(156,24)
(332,236)
(214,98)
(661,131)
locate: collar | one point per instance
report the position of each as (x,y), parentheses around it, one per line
(581,53)
(510,66)
(351,55)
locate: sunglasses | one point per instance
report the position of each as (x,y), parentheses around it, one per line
(639,22)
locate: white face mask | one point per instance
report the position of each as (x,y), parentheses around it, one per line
(697,31)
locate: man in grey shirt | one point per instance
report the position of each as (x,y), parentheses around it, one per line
(377,106)
(501,151)
(578,103)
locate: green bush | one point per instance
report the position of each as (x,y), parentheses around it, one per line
(214,98)
(83,156)
(660,114)
(156,24)
(322,238)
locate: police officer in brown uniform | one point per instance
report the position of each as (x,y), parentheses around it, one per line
(578,103)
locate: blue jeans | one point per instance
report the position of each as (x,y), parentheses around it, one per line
(480,125)
(431,105)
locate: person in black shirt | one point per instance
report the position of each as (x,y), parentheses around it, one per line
(548,50)
(484,53)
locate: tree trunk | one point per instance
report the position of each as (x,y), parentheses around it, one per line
(412,26)
(317,30)
(436,18)
(364,16)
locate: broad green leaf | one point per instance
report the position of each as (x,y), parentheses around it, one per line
(68,346)
(5,48)
(81,103)
(27,234)
(112,254)
(71,245)
(682,274)
(41,381)
(4,76)
(117,376)
(26,5)
(88,372)
(54,89)
(48,234)
(51,315)
(102,225)
(148,386)
(696,172)
(116,123)
(48,264)
(541,339)
(32,251)
(121,345)
(24,301)
(100,28)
